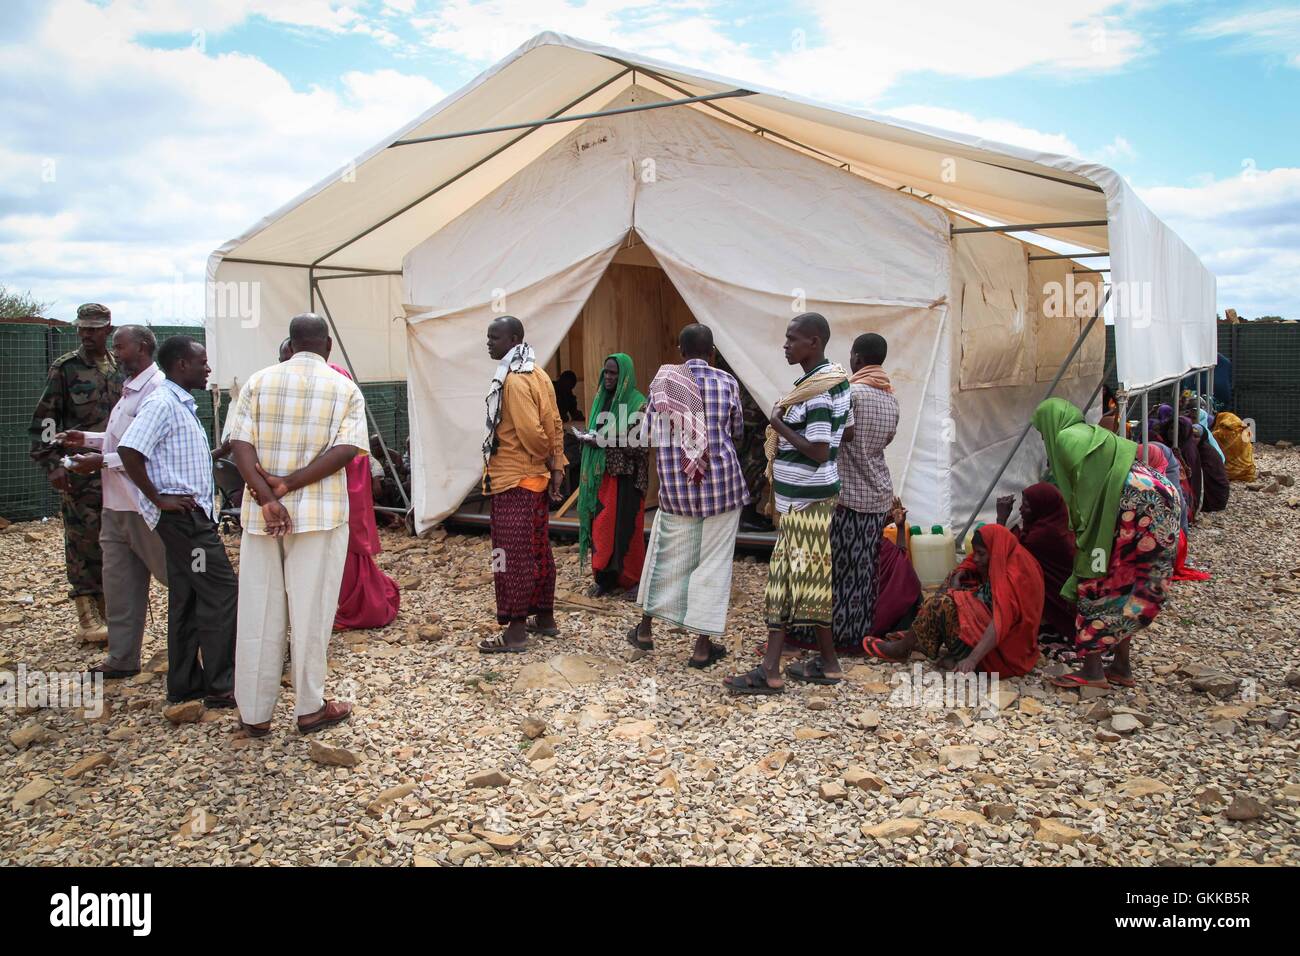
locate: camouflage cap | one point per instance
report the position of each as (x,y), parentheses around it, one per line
(92,315)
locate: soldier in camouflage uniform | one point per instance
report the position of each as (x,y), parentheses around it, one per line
(80,391)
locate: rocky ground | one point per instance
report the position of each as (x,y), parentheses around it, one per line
(585,752)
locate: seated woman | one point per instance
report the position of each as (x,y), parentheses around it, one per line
(1125,520)
(987,618)
(1214,474)
(614,477)
(899,593)
(1044,531)
(1236,441)
(1162,459)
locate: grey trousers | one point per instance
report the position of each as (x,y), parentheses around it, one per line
(132,551)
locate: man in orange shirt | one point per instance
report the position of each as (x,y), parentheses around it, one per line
(523,460)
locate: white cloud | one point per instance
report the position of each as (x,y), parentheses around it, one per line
(1275,30)
(1117,150)
(131,163)
(1246,229)
(995,130)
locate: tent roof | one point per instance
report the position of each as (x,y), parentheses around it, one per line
(371,213)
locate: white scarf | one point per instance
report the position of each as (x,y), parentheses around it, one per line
(518,359)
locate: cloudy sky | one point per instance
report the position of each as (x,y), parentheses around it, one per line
(141,134)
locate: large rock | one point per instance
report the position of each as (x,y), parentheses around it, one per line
(377,805)
(862,779)
(540,750)
(532,727)
(1245,808)
(1217,685)
(33,733)
(184,713)
(894,829)
(966,818)
(463,851)
(633,730)
(831,791)
(960,755)
(332,756)
(487,778)
(561,672)
(1124,723)
(87,764)
(1142,787)
(1056,832)
(32,792)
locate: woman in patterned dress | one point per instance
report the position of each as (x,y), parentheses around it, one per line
(1125,518)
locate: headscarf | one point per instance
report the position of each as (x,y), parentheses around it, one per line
(1239,454)
(898,590)
(1017,584)
(1049,539)
(518,359)
(1090,465)
(1154,457)
(624,402)
(679,409)
(1204,418)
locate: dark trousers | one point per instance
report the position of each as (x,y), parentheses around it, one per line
(202,601)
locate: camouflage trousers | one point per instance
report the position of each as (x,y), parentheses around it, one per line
(81,509)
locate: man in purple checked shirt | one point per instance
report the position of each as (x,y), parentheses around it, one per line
(695,416)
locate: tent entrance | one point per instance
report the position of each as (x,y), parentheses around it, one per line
(636,309)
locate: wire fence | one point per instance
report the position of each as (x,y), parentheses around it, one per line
(26,352)
(1265,360)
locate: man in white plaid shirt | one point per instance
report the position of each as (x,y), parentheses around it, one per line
(295,426)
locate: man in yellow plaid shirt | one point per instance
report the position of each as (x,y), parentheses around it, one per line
(294,427)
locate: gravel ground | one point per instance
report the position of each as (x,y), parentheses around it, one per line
(586,752)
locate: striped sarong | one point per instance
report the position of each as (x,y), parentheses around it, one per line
(686,579)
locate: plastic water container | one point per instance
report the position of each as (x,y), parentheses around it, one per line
(934,556)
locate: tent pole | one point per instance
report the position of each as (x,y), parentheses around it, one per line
(466,171)
(934,356)
(1146,452)
(1028,227)
(575,118)
(1060,373)
(1121,402)
(1072,255)
(1110,367)
(369,413)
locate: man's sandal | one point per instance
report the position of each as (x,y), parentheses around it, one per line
(755,682)
(811,670)
(496,644)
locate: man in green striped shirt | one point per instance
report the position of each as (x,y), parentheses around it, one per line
(808,424)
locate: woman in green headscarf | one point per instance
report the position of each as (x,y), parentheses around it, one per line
(1125,518)
(613,480)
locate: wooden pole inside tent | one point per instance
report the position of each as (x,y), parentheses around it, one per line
(568,503)
(1060,373)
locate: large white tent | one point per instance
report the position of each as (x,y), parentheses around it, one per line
(755,205)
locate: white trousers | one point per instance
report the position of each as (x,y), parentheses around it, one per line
(291,582)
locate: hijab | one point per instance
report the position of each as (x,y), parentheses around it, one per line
(621,404)
(1017,584)
(1090,465)
(1049,539)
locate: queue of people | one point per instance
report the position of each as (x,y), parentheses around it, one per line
(1086,568)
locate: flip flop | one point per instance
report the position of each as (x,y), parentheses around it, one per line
(1119,681)
(716,653)
(871,646)
(755,682)
(811,671)
(635,641)
(1074,681)
(497,645)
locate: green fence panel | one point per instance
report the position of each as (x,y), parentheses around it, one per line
(26,352)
